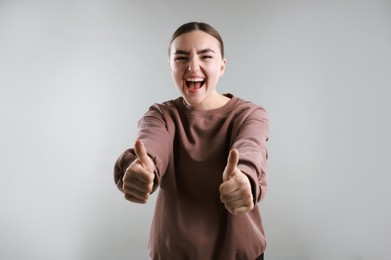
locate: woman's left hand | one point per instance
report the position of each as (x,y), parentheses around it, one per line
(235,191)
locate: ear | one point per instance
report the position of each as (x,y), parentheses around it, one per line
(222,66)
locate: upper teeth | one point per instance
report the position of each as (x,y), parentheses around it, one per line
(195,79)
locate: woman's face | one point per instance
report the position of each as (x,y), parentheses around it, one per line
(196,66)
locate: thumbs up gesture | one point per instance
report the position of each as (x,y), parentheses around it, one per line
(235,191)
(139,176)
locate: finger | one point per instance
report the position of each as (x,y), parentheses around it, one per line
(230,194)
(228,187)
(136,192)
(139,186)
(239,210)
(230,197)
(136,172)
(239,206)
(141,153)
(137,198)
(232,162)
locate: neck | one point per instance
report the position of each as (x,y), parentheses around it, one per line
(213,102)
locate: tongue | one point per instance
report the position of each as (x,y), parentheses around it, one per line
(194,85)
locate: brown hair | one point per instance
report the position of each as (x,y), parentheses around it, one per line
(193,26)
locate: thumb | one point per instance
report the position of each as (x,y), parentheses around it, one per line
(232,163)
(141,153)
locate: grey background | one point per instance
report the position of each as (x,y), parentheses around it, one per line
(75,77)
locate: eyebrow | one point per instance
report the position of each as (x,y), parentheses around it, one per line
(198,52)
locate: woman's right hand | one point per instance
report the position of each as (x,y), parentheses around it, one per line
(139,176)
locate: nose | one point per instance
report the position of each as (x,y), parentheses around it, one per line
(194,64)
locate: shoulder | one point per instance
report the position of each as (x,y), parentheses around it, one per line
(165,107)
(250,118)
(161,113)
(245,108)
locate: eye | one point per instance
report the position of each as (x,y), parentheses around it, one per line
(180,58)
(205,57)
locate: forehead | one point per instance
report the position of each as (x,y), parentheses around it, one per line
(197,40)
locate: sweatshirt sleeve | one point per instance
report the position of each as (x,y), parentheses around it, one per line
(121,165)
(154,131)
(251,138)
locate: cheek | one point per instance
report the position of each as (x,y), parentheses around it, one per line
(213,71)
(176,70)
(177,77)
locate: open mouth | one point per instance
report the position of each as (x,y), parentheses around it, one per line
(194,84)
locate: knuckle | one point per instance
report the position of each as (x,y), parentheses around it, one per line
(151,177)
(128,196)
(149,189)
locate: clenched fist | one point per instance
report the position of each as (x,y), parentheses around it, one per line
(139,176)
(235,191)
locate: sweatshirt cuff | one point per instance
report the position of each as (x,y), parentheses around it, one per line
(255,187)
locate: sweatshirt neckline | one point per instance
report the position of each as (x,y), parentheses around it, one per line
(223,109)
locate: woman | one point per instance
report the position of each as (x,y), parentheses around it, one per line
(207,153)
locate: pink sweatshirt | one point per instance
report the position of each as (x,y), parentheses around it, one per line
(190,149)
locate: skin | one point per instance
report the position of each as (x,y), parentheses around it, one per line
(138,178)
(197,54)
(194,54)
(235,191)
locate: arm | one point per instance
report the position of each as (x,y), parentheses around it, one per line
(155,137)
(244,178)
(251,144)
